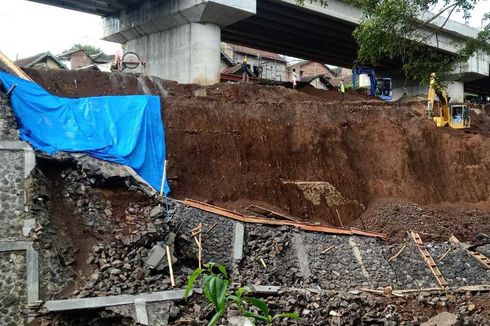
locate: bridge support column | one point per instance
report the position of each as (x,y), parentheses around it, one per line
(455,90)
(188,54)
(179,40)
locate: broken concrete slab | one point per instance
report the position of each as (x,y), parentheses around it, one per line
(101,302)
(442,319)
(28,226)
(239,321)
(156,211)
(265,289)
(156,256)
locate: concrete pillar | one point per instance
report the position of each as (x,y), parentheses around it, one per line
(188,53)
(179,40)
(455,91)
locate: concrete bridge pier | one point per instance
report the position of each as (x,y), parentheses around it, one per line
(179,40)
(188,54)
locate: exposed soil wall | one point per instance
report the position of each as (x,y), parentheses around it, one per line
(303,154)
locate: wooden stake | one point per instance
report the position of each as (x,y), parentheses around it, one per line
(327,250)
(212,227)
(340,220)
(447,253)
(164,175)
(381,292)
(398,253)
(170,266)
(263,263)
(200,246)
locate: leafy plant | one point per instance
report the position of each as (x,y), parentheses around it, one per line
(218,292)
(400,30)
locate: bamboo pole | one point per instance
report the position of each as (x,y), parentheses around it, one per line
(172,279)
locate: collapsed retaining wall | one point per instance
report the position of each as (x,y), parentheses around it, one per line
(303,154)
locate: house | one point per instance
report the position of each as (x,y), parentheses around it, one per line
(41,60)
(80,60)
(316,74)
(104,62)
(76,59)
(265,65)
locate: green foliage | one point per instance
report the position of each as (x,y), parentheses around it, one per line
(397,30)
(217,291)
(88,48)
(321,2)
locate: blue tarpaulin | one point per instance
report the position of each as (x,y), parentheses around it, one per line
(122,129)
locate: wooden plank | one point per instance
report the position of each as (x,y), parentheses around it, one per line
(253,219)
(428,259)
(269,213)
(482,259)
(12,67)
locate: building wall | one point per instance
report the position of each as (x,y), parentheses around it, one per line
(80,59)
(51,64)
(272,69)
(310,69)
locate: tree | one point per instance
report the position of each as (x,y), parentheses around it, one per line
(89,49)
(396,30)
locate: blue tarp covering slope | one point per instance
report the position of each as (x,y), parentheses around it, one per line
(121,129)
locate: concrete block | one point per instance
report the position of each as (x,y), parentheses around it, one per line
(32,258)
(238,241)
(141,314)
(302,256)
(156,256)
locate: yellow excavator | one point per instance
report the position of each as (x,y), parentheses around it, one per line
(456,116)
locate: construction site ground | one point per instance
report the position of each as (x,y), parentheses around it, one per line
(311,155)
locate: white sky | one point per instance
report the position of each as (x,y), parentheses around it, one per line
(28,28)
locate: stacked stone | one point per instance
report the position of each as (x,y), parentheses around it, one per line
(13,295)
(8,123)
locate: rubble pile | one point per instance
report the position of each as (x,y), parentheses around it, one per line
(135,262)
(395,217)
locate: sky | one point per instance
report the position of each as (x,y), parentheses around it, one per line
(29,28)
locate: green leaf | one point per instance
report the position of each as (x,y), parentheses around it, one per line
(208,279)
(190,283)
(216,317)
(253,315)
(291,315)
(240,291)
(222,269)
(215,290)
(259,303)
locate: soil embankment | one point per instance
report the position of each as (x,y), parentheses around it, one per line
(308,155)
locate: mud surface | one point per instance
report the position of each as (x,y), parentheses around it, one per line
(312,156)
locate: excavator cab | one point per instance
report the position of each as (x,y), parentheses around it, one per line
(460,117)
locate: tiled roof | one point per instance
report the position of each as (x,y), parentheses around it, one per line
(31,61)
(257,53)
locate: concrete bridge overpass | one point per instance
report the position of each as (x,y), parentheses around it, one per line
(180,38)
